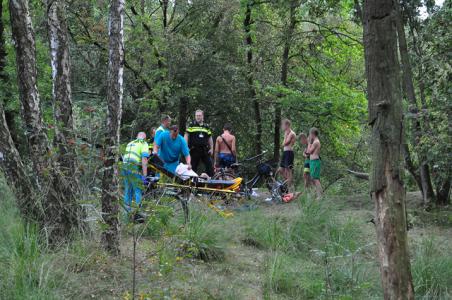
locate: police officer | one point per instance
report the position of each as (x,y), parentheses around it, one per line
(200,142)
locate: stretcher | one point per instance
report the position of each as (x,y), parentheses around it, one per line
(198,184)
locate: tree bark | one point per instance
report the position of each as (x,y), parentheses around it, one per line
(62,99)
(409,165)
(16,174)
(385,116)
(284,73)
(428,194)
(250,78)
(59,204)
(110,184)
(443,192)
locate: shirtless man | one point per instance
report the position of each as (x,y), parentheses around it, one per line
(306,169)
(287,159)
(314,159)
(225,148)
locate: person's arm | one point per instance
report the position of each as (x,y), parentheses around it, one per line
(234,149)
(287,140)
(157,144)
(186,137)
(144,165)
(186,153)
(210,145)
(188,160)
(217,147)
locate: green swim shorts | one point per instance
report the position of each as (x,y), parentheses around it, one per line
(314,165)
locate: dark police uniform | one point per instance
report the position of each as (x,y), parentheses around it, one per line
(198,142)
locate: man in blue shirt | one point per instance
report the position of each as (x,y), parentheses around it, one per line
(164,126)
(170,146)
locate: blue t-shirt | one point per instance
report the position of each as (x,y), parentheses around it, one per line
(171,149)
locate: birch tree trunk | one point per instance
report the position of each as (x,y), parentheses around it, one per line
(385,118)
(59,203)
(62,99)
(110,184)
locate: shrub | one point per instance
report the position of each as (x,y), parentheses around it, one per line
(201,238)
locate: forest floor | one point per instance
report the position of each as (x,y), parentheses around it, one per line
(259,255)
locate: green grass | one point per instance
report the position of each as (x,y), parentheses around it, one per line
(432,270)
(305,250)
(26,271)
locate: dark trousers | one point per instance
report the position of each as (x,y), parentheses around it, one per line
(198,155)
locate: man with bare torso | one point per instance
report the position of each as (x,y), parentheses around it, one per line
(225,148)
(314,159)
(287,159)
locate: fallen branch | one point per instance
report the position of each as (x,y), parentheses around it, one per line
(364,176)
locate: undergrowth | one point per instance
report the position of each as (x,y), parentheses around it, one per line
(26,271)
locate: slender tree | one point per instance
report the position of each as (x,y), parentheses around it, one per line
(59,203)
(250,78)
(294,4)
(385,118)
(110,184)
(424,170)
(62,100)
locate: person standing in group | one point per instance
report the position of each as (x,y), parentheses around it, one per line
(225,148)
(199,139)
(136,155)
(306,169)
(314,159)
(164,126)
(287,159)
(169,146)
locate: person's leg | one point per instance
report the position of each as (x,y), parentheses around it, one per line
(127,191)
(195,158)
(207,161)
(290,178)
(318,188)
(137,188)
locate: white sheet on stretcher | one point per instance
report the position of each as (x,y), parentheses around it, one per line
(183,171)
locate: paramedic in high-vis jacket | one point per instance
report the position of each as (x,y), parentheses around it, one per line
(134,170)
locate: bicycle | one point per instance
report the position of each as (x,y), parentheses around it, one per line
(265,170)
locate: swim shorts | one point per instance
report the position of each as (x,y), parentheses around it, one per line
(287,159)
(306,166)
(315,165)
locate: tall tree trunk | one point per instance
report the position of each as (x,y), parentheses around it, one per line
(17,175)
(284,73)
(59,203)
(409,165)
(249,77)
(428,194)
(110,184)
(62,99)
(443,191)
(385,116)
